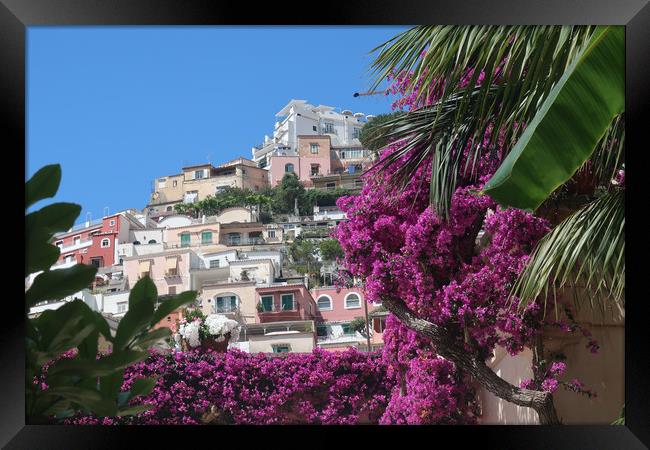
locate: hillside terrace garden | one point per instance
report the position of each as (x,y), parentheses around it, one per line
(471,221)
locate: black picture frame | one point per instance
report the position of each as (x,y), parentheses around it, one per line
(17,15)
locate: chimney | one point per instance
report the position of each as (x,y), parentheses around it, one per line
(203,219)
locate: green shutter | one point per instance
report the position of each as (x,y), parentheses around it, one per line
(287,302)
(267,303)
(206,237)
(185,240)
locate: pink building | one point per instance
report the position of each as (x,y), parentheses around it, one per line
(285,303)
(312,158)
(336,309)
(170,271)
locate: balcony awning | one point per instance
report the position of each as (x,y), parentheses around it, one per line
(144,266)
(172,263)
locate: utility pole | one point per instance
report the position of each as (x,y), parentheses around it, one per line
(365,309)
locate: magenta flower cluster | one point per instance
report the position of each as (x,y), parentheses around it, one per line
(317,388)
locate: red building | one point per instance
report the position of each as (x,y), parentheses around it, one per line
(95,243)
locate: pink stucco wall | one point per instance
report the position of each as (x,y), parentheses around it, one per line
(302,167)
(158,268)
(339,312)
(305,308)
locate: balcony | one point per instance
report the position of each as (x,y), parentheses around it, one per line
(279,316)
(76,246)
(232,242)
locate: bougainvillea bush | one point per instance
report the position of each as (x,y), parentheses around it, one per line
(240,388)
(454,273)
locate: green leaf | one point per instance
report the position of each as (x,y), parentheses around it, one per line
(142,386)
(39,256)
(134,410)
(57,284)
(64,328)
(565,131)
(172,304)
(89,399)
(51,219)
(138,317)
(107,365)
(147,340)
(43,184)
(587,248)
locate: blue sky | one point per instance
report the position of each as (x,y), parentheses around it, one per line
(119,106)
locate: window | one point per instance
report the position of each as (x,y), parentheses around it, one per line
(328,127)
(76,240)
(185,239)
(206,237)
(214,263)
(106,243)
(330,186)
(281,348)
(379,324)
(287,302)
(152,241)
(136,242)
(314,128)
(347,330)
(352,301)
(267,302)
(226,304)
(97,262)
(171,290)
(169,208)
(315,168)
(69,258)
(122,307)
(321,330)
(234,238)
(314,149)
(271,233)
(175,183)
(324,303)
(111,223)
(288,168)
(59,244)
(356,131)
(198,174)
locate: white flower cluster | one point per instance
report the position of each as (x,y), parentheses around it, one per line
(218,325)
(190,332)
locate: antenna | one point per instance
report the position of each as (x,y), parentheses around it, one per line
(105,211)
(209,158)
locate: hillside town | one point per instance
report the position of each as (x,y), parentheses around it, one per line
(241,264)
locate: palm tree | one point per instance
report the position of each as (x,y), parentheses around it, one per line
(566,85)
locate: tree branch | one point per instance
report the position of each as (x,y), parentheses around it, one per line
(449,348)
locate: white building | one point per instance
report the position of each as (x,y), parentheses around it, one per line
(301,118)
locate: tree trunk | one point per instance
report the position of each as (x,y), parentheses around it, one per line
(447,347)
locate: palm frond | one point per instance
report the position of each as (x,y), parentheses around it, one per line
(586,250)
(610,152)
(425,136)
(520,65)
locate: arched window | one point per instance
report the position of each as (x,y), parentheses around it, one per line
(106,243)
(288,168)
(136,242)
(352,301)
(152,241)
(225,303)
(324,303)
(169,208)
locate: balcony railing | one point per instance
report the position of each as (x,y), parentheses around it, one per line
(242,241)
